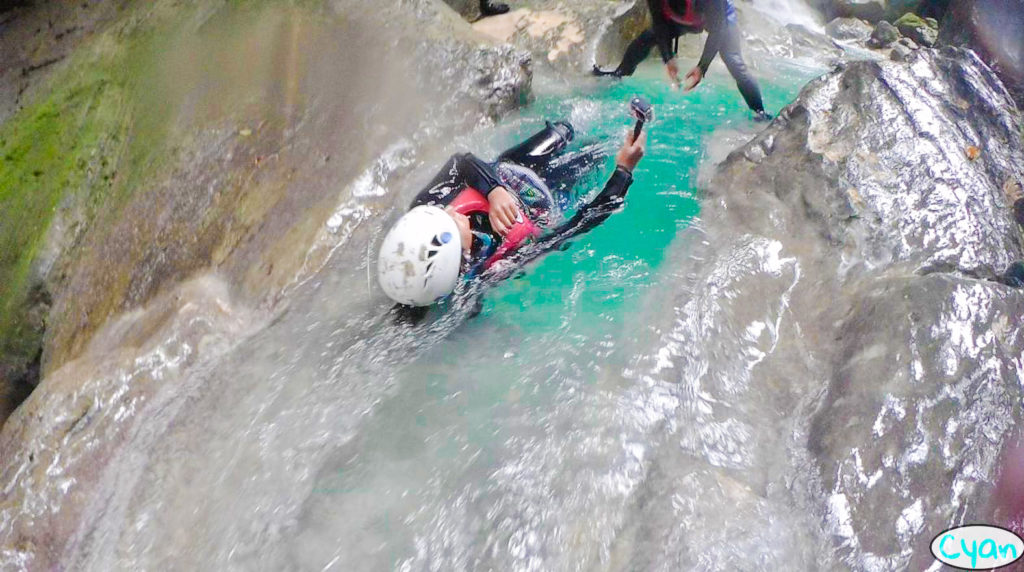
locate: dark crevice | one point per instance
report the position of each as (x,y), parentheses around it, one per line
(29,69)
(8,5)
(20,387)
(1013,276)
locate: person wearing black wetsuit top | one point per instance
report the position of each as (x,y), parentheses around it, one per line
(537,178)
(673,18)
(540,178)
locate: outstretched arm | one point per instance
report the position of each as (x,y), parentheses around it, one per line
(595,212)
(715,21)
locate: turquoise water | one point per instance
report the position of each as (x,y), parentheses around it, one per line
(607,271)
(515,419)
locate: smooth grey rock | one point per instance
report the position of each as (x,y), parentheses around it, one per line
(883,35)
(925,386)
(628,22)
(876,156)
(848,29)
(901,240)
(908,43)
(900,53)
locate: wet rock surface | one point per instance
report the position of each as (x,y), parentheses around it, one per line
(926,390)
(240,188)
(869,185)
(871,10)
(891,191)
(883,36)
(272,116)
(564,36)
(995,30)
(35,36)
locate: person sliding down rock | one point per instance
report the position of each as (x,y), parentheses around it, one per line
(673,18)
(474,214)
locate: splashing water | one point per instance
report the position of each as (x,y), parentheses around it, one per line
(790,12)
(540,435)
(521,439)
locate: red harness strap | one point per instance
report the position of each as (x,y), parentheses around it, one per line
(689,17)
(471,201)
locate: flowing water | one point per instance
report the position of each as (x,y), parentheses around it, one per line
(598,413)
(539,435)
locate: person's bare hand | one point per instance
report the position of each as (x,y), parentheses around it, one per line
(672,68)
(631,151)
(504,210)
(693,78)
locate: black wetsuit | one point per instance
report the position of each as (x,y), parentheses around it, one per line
(719,20)
(539,175)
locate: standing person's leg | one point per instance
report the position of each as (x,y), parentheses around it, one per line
(732,56)
(637,52)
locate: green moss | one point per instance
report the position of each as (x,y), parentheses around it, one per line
(60,144)
(912,20)
(99,132)
(78,143)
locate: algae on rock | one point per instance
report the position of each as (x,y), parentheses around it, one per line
(126,172)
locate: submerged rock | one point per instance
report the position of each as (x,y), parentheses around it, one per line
(902,242)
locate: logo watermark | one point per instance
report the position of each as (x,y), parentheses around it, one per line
(977,547)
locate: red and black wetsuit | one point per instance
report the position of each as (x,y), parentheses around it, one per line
(529,171)
(673,18)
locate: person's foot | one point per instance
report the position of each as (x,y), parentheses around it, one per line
(603,73)
(488,8)
(762,116)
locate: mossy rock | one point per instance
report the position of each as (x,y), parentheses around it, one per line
(924,31)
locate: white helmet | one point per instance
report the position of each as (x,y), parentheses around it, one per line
(420,257)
